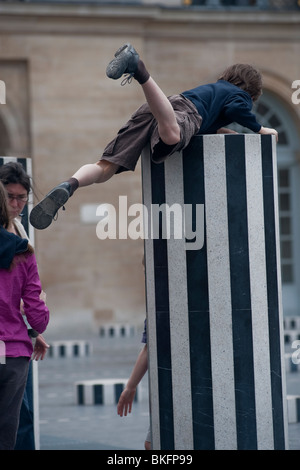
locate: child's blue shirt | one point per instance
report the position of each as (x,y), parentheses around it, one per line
(220,104)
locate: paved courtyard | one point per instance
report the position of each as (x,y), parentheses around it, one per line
(65,425)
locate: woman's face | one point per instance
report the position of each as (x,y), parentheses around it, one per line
(17,199)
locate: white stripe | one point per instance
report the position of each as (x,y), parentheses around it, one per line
(258,286)
(151,309)
(30,201)
(36,408)
(109,394)
(179,315)
(88,397)
(9,159)
(220,307)
(280,307)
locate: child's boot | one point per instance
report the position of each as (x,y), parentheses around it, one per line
(127,61)
(44,212)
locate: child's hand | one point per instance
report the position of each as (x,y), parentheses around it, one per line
(125,401)
(40,348)
(268,130)
(226,130)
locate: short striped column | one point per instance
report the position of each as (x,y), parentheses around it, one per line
(70,348)
(213,288)
(293,403)
(102,391)
(113,330)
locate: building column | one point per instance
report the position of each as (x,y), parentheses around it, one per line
(213,288)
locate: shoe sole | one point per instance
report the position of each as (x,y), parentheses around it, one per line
(121,49)
(44,212)
(113,68)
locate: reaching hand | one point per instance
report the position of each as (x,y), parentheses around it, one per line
(268,130)
(125,401)
(226,130)
(40,348)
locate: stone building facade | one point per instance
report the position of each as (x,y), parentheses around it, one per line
(61,110)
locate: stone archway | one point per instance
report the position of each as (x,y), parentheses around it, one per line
(272,111)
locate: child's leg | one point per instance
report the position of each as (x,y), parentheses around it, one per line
(95,173)
(127,61)
(44,212)
(163,112)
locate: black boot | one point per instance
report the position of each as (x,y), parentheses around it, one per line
(44,212)
(126,61)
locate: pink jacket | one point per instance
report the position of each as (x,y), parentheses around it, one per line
(22,282)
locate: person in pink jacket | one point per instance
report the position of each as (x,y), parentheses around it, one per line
(19,279)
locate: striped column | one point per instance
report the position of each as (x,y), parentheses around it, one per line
(214,316)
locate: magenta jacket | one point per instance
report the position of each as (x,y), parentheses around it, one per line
(22,282)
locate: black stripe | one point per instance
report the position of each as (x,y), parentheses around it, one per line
(162,318)
(240,292)
(75,350)
(118,390)
(80,394)
(198,307)
(272,289)
(98,394)
(298,409)
(23,162)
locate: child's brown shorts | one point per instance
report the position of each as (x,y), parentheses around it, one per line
(141,129)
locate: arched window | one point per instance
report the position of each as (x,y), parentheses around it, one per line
(270,112)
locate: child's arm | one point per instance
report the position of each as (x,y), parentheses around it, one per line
(127,396)
(268,130)
(226,130)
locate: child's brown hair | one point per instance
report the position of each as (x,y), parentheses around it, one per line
(245,77)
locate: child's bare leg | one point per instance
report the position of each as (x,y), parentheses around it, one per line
(163,112)
(44,212)
(95,173)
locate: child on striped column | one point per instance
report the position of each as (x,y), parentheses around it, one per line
(167,123)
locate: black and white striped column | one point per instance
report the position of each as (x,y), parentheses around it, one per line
(214,315)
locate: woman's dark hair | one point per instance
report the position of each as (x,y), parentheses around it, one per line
(245,77)
(4,215)
(4,221)
(14,173)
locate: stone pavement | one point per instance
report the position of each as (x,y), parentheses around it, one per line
(64,425)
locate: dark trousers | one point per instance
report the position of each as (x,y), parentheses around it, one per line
(25,436)
(13,377)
